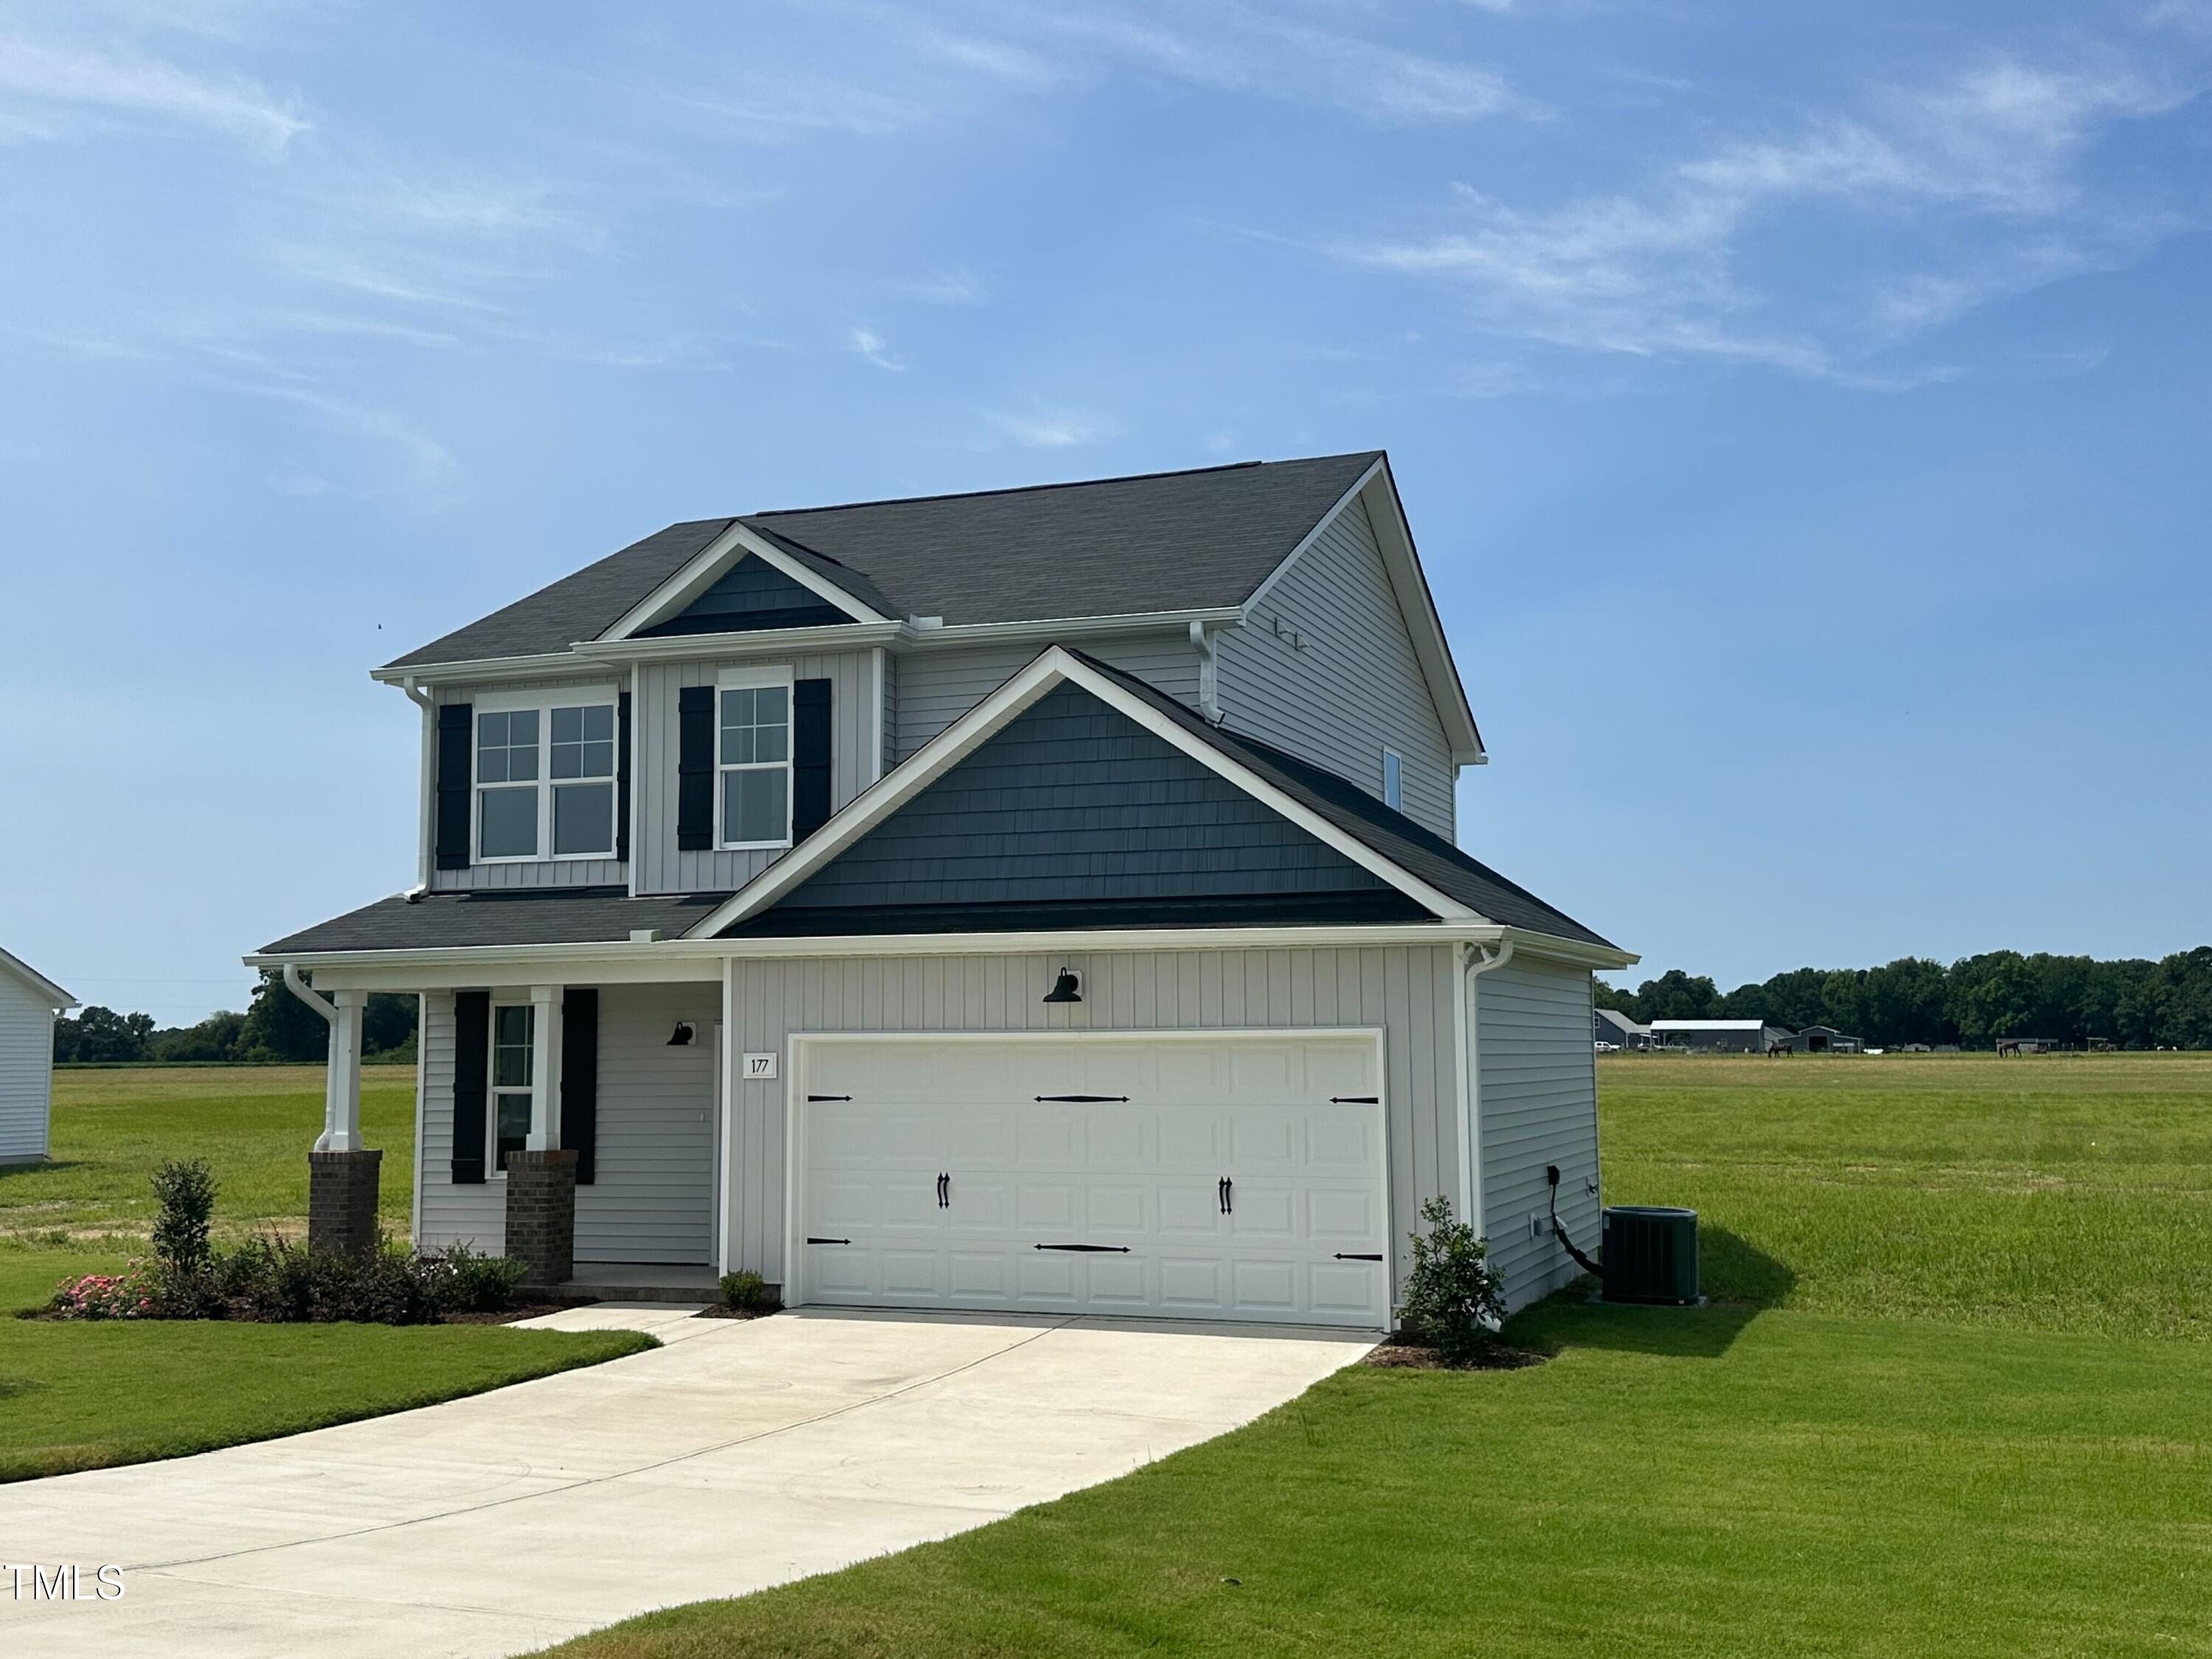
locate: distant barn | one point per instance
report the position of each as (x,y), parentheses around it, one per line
(1611,1025)
(1827,1040)
(1729,1036)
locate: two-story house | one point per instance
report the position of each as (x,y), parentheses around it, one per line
(1039,899)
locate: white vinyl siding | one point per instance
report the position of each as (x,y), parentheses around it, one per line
(27,1070)
(662,866)
(1407,991)
(1539,1095)
(653,1199)
(1351,683)
(938,685)
(545,872)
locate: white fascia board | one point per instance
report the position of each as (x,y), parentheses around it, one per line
(755,642)
(700,571)
(1045,631)
(1402,562)
(476,670)
(46,989)
(1049,668)
(696,961)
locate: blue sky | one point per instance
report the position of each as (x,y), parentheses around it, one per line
(1802,411)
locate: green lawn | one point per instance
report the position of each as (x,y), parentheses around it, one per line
(1907,1430)
(79,1396)
(254,1124)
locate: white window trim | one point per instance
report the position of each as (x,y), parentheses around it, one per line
(1389,755)
(738,679)
(543,702)
(511,997)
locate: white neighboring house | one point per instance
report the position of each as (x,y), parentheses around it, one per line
(28,1002)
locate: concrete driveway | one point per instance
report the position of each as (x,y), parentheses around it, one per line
(739,1455)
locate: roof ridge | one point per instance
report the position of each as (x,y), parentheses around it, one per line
(1064,483)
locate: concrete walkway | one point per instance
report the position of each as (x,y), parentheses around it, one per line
(740,1454)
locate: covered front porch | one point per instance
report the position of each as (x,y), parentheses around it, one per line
(566,1120)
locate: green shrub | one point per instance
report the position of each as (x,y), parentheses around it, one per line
(1455,1296)
(273,1280)
(184,1194)
(465,1280)
(745,1289)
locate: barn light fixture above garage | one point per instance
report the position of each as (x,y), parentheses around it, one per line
(1064,989)
(682,1036)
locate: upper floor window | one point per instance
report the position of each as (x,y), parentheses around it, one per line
(753,759)
(1393,787)
(545,781)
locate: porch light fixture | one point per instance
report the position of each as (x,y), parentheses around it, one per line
(681,1036)
(1063,989)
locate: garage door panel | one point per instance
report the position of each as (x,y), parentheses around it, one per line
(1138,1179)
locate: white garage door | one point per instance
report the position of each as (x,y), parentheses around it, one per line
(1237,1178)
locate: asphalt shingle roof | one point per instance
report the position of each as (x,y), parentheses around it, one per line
(439,922)
(1108,547)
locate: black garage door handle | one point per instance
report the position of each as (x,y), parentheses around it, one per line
(1342,1256)
(1123,1250)
(828,1241)
(1082,1098)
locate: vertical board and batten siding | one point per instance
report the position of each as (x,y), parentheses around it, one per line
(653,1201)
(1539,1106)
(664,868)
(541,872)
(26,1071)
(1407,991)
(1355,688)
(936,687)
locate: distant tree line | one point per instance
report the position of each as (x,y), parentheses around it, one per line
(1973,1002)
(275,1026)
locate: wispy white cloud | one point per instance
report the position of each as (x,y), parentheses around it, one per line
(949,285)
(420,469)
(51,73)
(869,346)
(1041,426)
(1988,156)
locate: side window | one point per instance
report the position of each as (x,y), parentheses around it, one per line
(512,1028)
(1393,780)
(582,765)
(753,766)
(507,785)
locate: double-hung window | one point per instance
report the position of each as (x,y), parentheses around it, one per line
(513,1029)
(752,759)
(545,777)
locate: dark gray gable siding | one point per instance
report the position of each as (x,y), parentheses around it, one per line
(751,594)
(1073,804)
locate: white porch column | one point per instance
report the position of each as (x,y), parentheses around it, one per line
(544,1068)
(342,1074)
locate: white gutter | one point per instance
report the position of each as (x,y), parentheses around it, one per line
(427,781)
(1476,961)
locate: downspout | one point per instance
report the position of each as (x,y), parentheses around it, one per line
(420,695)
(299,989)
(1476,961)
(1209,674)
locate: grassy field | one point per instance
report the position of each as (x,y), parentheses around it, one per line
(78,1396)
(1954,1396)
(253,1123)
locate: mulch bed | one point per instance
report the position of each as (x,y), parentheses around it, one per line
(504,1317)
(720,1311)
(1403,1354)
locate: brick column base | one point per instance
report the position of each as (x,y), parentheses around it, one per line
(541,1216)
(341,1201)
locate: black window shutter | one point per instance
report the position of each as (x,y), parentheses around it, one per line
(621,776)
(471,1075)
(456,770)
(810,757)
(695,767)
(580,1079)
